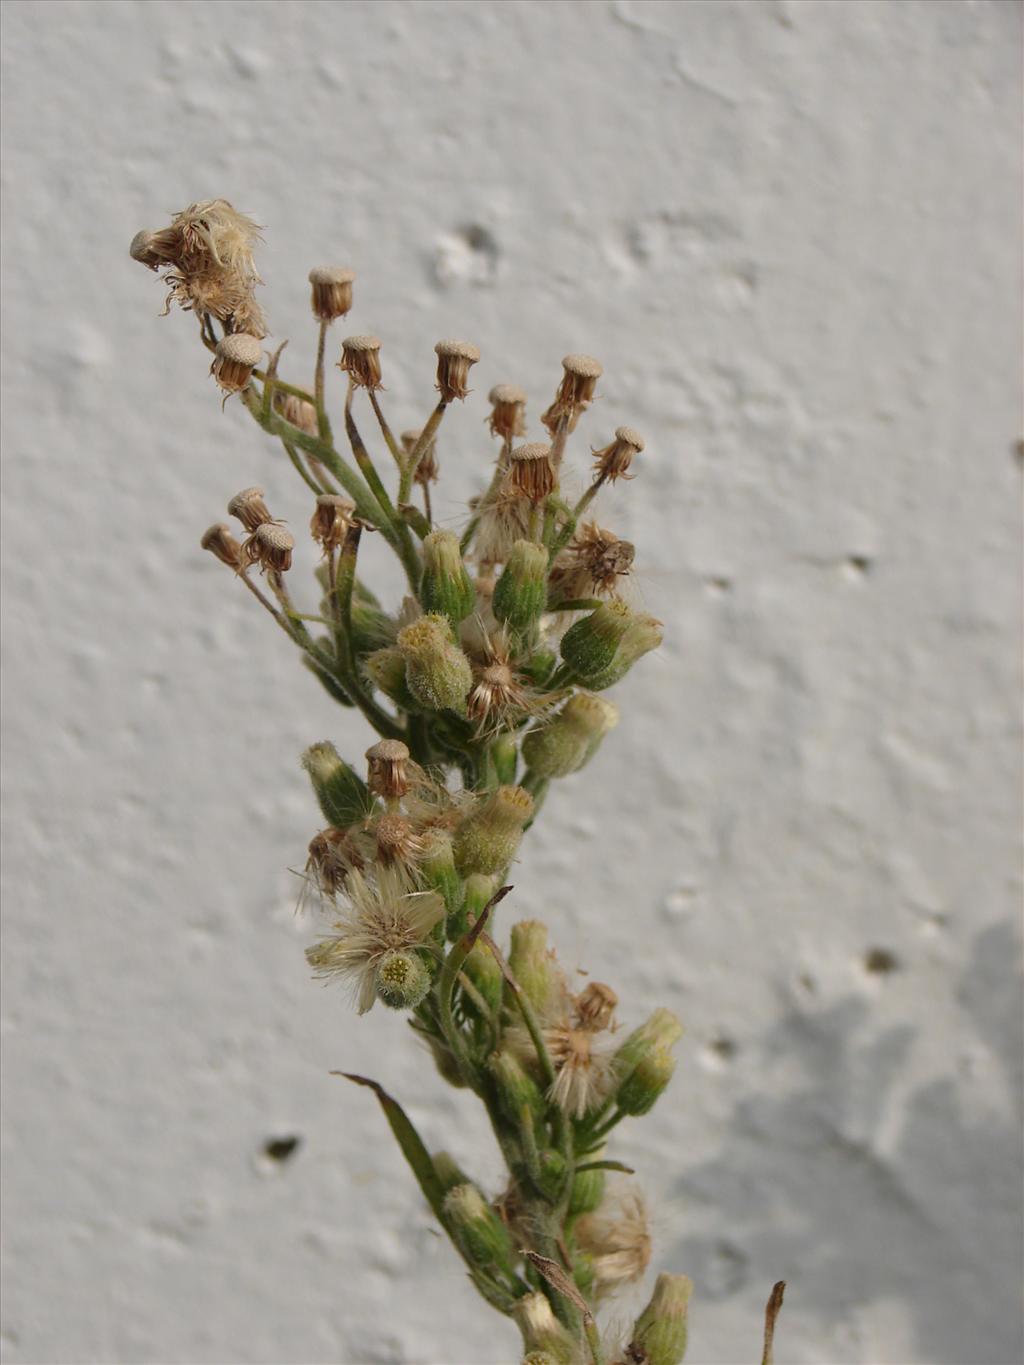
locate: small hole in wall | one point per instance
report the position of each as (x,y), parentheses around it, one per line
(859,564)
(723,1047)
(718,585)
(880,961)
(281,1149)
(1018,450)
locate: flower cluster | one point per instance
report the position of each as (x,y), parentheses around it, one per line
(486,683)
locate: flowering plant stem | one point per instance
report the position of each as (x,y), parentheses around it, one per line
(493,669)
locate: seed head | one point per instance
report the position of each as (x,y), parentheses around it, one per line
(360,358)
(582,1057)
(331,519)
(613,461)
(208,254)
(382,915)
(250,509)
(219,541)
(236,357)
(453,361)
(532,473)
(388,761)
(592,564)
(508,411)
(271,546)
(617,1238)
(331,291)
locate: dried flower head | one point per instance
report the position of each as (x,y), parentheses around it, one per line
(579,379)
(331,291)
(532,472)
(501,697)
(582,1059)
(220,542)
(595,1006)
(593,564)
(270,546)
(396,841)
(360,359)
(250,509)
(613,461)
(388,768)
(236,357)
(207,252)
(330,521)
(617,1238)
(453,361)
(296,411)
(508,411)
(383,915)
(332,855)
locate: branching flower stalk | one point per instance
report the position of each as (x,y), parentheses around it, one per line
(486,685)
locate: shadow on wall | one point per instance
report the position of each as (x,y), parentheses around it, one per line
(933,1220)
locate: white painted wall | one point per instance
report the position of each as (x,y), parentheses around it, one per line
(790,232)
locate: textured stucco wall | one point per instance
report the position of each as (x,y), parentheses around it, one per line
(789,231)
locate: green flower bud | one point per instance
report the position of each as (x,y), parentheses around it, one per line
(539,667)
(477,890)
(596,716)
(447,1171)
(604,646)
(552,1173)
(482,969)
(659,1334)
(385,669)
(372,628)
(641,1088)
(437,672)
(567,741)
(343,795)
(590,644)
(402,979)
(662,1029)
(504,755)
(643,635)
(542,1331)
(539,1358)
(516,1089)
(446,588)
(587,1190)
(478,1231)
(487,840)
(533,964)
(437,866)
(521,593)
